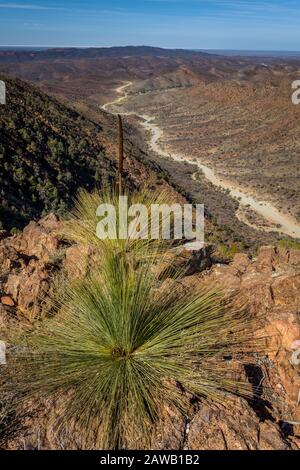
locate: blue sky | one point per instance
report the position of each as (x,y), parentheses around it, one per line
(197,24)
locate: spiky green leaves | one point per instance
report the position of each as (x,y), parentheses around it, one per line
(123,346)
(119,347)
(82,224)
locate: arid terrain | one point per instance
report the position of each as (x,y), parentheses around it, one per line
(245,129)
(215,130)
(233,116)
(270,286)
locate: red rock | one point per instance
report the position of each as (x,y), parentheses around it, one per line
(241,261)
(7,301)
(3,317)
(265,259)
(270,285)
(77,261)
(25,265)
(295,258)
(235,427)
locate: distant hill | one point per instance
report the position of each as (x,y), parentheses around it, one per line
(95,52)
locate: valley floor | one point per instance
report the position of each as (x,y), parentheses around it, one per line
(271,219)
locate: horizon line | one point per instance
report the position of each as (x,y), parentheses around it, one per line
(144,45)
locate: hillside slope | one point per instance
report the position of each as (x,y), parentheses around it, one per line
(48,151)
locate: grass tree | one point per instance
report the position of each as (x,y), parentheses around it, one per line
(121,345)
(81,226)
(121,349)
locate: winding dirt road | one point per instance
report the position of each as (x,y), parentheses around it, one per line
(119,100)
(279,221)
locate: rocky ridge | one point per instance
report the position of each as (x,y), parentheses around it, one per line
(270,284)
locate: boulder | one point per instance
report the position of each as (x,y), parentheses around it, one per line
(270,286)
(27,266)
(187,262)
(235,427)
(77,261)
(8,301)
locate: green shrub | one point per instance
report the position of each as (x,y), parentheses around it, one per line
(121,348)
(228,251)
(15,231)
(289,244)
(120,352)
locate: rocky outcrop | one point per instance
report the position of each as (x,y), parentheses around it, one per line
(268,284)
(27,262)
(215,427)
(186,262)
(270,287)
